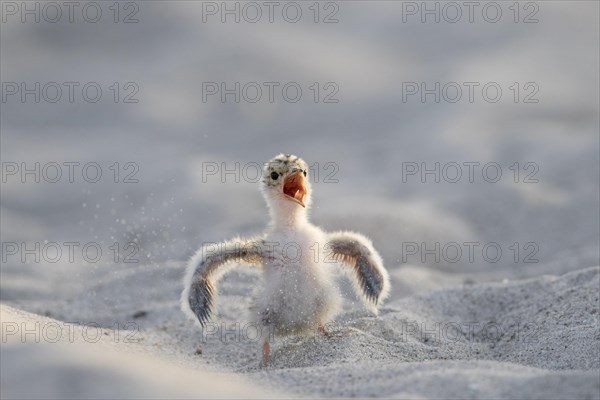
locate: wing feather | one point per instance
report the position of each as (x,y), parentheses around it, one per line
(357,252)
(207,266)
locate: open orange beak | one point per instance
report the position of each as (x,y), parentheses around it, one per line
(294,187)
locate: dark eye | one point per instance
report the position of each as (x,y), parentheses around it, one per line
(304,172)
(274,175)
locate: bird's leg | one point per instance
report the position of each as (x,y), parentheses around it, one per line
(323,330)
(266,349)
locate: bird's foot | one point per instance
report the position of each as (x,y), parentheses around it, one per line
(324,331)
(265,355)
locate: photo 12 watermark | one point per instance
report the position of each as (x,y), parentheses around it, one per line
(70,172)
(68,332)
(469,252)
(70,12)
(252,172)
(70,92)
(469,172)
(69,252)
(252,12)
(470,92)
(270,92)
(468,332)
(452,12)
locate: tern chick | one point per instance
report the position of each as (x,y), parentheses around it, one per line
(297,258)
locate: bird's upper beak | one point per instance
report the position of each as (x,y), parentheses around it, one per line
(294,187)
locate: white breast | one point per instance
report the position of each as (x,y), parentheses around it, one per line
(300,292)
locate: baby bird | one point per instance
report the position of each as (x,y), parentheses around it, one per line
(296,256)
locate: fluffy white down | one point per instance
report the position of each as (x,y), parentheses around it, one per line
(300,290)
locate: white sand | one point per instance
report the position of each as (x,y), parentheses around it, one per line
(72,367)
(536,338)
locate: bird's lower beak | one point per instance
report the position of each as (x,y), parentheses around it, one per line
(294,187)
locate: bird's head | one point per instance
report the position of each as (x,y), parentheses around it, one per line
(285,184)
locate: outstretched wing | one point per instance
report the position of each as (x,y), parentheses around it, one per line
(207,266)
(356,251)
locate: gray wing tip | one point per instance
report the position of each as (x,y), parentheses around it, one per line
(201,300)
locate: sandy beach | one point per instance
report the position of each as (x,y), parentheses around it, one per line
(486,211)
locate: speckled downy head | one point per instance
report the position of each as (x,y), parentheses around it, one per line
(285,183)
